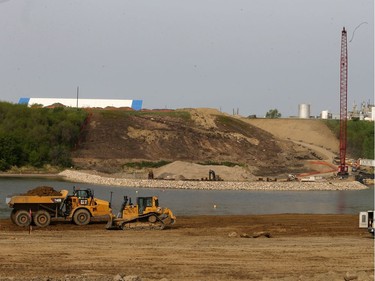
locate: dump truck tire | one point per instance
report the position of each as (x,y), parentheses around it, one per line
(22,218)
(42,218)
(81,217)
(13,216)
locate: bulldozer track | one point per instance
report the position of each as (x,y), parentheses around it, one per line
(150,221)
(142,226)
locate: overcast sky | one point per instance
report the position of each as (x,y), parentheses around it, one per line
(253,55)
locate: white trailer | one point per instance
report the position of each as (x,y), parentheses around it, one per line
(366,220)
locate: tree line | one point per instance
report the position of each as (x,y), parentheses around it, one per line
(360,137)
(38,136)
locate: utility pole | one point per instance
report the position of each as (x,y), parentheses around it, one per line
(77,95)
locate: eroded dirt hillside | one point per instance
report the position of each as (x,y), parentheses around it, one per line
(114,137)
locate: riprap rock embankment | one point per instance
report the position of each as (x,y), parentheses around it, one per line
(87,177)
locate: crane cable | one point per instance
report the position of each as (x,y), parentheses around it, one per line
(356,29)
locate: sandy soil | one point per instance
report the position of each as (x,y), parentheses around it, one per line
(306,131)
(301,247)
(186,170)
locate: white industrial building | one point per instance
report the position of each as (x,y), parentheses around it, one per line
(325,115)
(83,103)
(365,111)
(373,113)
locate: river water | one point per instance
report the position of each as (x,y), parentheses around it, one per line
(211,202)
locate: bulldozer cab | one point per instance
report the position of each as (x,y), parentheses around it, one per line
(146,202)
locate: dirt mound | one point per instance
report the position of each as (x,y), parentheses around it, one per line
(200,136)
(183,170)
(42,191)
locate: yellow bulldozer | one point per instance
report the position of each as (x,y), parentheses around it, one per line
(145,214)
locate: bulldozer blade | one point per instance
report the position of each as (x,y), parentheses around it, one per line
(168,221)
(111,225)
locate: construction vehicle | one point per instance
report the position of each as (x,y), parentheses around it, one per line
(366,220)
(81,207)
(145,214)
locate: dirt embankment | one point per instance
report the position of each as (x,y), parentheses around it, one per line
(263,147)
(313,132)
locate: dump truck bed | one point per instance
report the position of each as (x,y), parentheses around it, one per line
(25,199)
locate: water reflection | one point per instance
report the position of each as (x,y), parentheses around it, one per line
(341,202)
(202,202)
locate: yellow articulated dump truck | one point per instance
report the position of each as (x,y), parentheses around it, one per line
(41,207)
(145,214)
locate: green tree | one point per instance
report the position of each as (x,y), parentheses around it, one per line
(273,113)
(360,137)
(60,156)
(37,136)
(10,152)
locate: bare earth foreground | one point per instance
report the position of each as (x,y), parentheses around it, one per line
(301,247)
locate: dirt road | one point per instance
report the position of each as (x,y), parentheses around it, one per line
(301,247)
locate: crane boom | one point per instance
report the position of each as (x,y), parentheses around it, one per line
(343,168)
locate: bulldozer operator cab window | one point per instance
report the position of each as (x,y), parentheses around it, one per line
(144,202)
(149,202)
(156,202)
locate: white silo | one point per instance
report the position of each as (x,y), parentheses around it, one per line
(304,110)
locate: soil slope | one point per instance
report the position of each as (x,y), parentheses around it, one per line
(265,147)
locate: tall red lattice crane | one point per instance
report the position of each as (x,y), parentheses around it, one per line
(343,168)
